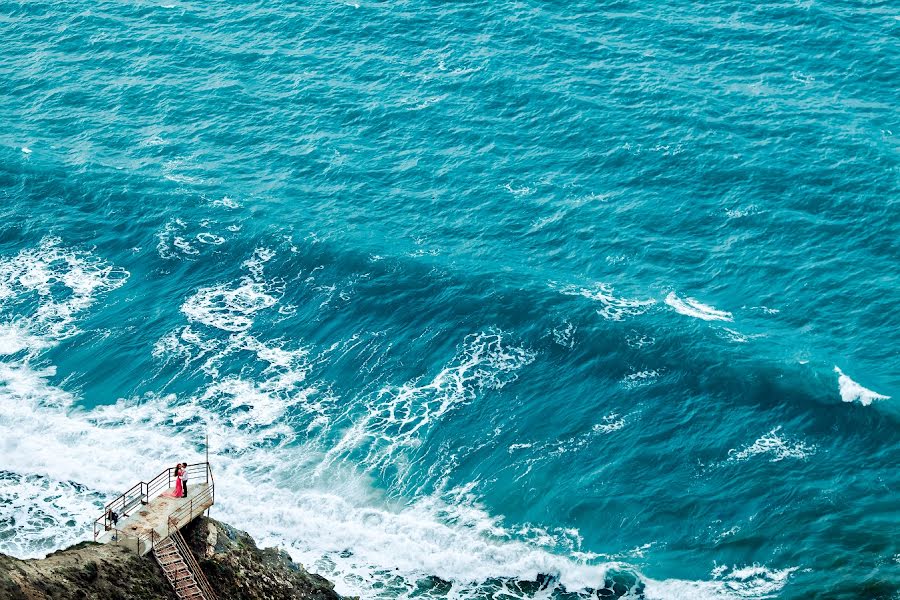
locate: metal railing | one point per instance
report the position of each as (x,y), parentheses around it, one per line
(195,506)
(145,491)
(134,541)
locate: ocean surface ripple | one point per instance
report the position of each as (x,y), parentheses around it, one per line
(475,300)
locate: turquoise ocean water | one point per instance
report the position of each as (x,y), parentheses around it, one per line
(476,300)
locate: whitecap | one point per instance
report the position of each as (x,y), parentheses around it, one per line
(737,213)
(775,446)
(612,307)
(696,309)
(185,246)
(850,390)
(519,191)
(638,340)
(767,310)
(255,264)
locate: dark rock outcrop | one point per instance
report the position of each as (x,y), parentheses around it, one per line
(84,571)
(231,561)
(235,567)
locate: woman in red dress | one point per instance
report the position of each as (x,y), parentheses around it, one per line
(179,490)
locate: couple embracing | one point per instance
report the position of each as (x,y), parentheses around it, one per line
(181,481)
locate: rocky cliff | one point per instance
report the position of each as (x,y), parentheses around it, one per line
(235,567)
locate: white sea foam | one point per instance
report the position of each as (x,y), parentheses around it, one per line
(228,309)
(180,239)
(696,309)
(637,379)
(64,282)
(397,416)
(55,482)
(61,463)
(735,336)
(256,263)
(851,391)
(40,512)
(565,335)
(226,202)
(58,447)
(15,338)
(775,446)
(609,423)
(210,238)
(638,340)
(737,213)
(735,583)
(279,386)
(612,307)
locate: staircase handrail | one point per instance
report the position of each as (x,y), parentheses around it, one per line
(192,565)
(186,513)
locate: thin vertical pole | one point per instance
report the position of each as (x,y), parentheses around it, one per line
(208,467)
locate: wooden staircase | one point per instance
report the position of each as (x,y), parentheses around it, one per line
(181,568)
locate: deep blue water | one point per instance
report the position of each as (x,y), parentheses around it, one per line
(464,292)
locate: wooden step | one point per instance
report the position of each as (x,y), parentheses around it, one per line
(179,570)
(168,556)
(180,576)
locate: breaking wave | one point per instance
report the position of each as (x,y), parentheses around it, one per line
(851,391)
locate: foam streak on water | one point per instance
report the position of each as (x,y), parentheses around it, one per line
(696,309)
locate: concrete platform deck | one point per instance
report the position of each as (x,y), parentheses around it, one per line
(134,529)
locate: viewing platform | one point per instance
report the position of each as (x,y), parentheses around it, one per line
(148,517)
(148,514)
